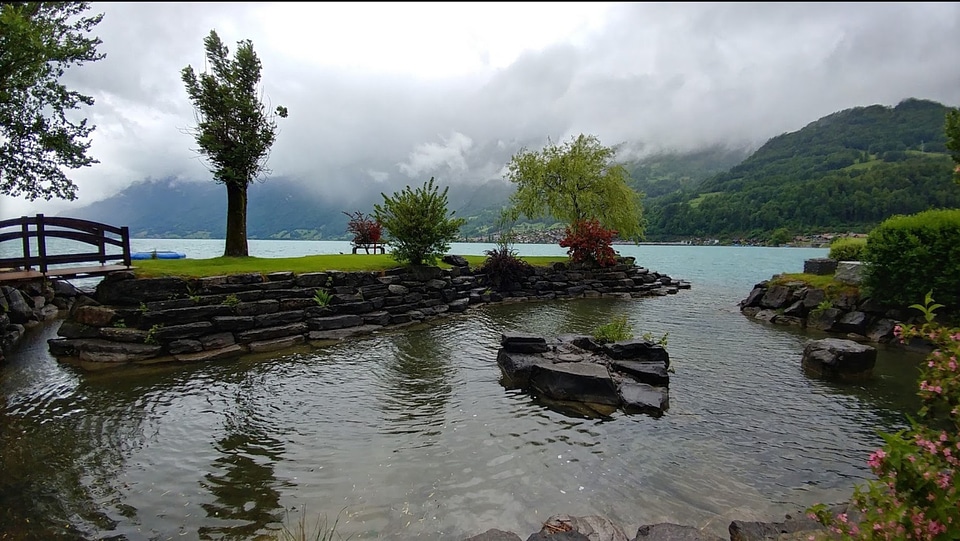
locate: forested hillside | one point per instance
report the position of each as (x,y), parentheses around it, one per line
(847,171)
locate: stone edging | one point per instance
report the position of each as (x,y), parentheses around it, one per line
(153,320)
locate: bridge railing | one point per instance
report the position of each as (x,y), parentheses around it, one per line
(32,232)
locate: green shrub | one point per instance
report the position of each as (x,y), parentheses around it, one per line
(618,329)
(417,225)
(907,256)
(847,249)
(231,300)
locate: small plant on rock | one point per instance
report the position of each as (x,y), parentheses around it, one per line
(615,331)
(662,341)
(821,308)
(322,297)
(151,337)
(231,300)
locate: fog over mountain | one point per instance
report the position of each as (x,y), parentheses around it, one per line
(384,95)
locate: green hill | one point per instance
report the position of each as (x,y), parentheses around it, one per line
(847,171)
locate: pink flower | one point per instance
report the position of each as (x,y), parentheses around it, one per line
(876,458)
(944,480)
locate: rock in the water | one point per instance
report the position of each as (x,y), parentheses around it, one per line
(640,350)
(672,532)
(631,375)
(760,531)
(643,398)
(494,534)
(835,358)
(584,382)
(592,527)
(652,373)
(523,343)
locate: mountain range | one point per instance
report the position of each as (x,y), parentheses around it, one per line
(845,171)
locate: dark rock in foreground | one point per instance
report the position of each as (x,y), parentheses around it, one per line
(599,528)
(630,375)
(838,359)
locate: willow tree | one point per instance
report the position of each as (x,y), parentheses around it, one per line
(234,129)
(576,182)
(39,134)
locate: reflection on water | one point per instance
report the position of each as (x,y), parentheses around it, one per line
(415,386)
(410,433)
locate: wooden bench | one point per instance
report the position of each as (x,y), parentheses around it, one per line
(367,247)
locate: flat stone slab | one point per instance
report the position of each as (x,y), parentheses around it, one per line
(631,375)
(583,382)
(839,359)
(643,398)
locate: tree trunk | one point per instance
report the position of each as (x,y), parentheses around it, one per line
(236,245)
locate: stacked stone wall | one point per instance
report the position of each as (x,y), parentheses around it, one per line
(153,320)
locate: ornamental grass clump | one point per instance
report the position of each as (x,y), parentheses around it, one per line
(915,495)
(502,268)
(616,330)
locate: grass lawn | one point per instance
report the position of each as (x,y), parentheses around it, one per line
(219,266)
(831,287)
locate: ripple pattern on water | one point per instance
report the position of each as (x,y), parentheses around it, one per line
(409,433)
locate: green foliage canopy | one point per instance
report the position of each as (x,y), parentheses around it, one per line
(907,256)
(38,42)
(952,131)
(418,226)
(234,130)
(575,182)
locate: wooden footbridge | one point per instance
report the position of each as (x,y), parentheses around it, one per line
(107,246)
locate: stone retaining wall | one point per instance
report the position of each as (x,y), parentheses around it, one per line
(29,304)
(144,321)
(795,303)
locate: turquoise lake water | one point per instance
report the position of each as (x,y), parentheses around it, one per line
(409,434)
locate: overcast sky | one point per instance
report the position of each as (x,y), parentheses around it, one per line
(395,93)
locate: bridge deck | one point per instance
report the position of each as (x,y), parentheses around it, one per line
(8,275)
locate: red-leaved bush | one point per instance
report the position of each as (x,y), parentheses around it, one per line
(587,240)
(365,229)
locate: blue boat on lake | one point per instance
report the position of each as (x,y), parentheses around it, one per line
(158,254)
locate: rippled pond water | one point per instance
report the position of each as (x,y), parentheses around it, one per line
(409,434)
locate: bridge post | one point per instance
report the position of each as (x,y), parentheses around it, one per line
(25,233)
(125,235)
(41,244)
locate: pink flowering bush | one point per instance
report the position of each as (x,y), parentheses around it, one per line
(915,495)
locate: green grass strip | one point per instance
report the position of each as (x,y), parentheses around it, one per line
(831,287)
(220,266)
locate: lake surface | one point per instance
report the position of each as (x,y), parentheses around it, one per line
(408,433)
